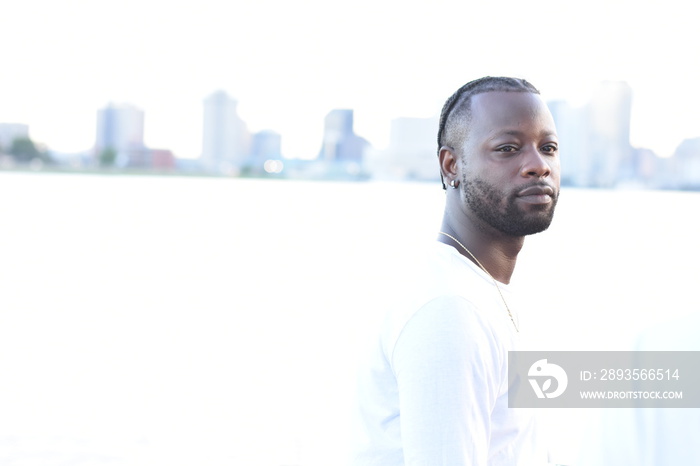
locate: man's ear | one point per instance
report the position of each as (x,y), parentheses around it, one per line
(448,164)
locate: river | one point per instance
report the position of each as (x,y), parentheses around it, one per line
(182,320)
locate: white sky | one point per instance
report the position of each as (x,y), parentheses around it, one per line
(290,62)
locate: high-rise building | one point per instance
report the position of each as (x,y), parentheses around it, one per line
(609,124)
(265,152)
(573,134)
(412,151)
(266,145)
(120,129)
(685,164)
(594,140)
(340,143)
(225,137)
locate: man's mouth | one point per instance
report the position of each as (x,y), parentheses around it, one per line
(537,194)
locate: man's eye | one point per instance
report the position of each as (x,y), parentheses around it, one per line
(550,148)
(507,149)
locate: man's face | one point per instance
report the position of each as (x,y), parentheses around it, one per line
(510,163)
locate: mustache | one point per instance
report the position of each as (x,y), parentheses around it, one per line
(538,187)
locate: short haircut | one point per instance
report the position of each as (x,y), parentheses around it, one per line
(455,115)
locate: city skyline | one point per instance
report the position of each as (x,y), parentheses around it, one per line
(236,119)
(288,67)
(317,128)
(594,138)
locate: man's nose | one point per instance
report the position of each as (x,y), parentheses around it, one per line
(535,164)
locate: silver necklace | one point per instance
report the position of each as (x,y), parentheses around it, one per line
(510,314)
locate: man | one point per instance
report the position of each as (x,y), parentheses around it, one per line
(435,388)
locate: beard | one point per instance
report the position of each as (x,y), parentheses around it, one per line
(501,211)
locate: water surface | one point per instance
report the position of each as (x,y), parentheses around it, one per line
(171,320)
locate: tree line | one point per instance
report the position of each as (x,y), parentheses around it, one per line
(24,150)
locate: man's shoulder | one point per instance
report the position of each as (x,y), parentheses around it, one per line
(441,286)
(436,267)
(438,272)
(444,318)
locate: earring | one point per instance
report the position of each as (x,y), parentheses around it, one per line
(453,184)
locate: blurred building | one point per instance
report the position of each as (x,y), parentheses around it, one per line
(685,165)
(342,151)
(340,143)
(162,159)
(266,147)
(646,169)
(573,132)
(609,126)
(120,129)
(594,140)
(411,154)
(225,136)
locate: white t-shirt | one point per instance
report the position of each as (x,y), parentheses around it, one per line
(434,388)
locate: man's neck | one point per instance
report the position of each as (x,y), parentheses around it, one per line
(496,253)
